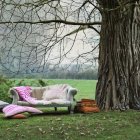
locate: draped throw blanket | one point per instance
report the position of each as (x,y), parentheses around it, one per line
(24,93)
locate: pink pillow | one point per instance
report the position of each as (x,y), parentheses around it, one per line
(11,110)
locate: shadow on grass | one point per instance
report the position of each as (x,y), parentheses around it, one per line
(53,113)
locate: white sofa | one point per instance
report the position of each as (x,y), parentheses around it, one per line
(38,93)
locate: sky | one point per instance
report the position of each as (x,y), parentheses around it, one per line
(20,41)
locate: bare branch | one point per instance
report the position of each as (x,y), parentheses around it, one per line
(51,21)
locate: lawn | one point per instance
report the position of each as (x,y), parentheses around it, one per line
(86,88)
(113,125)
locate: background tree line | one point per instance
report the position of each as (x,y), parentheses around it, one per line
(70,72)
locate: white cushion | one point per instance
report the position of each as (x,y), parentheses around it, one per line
(60,101)
(56,92)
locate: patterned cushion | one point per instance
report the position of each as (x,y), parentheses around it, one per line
(11,110)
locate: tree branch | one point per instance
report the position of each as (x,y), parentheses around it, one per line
(94,29)
(52,21)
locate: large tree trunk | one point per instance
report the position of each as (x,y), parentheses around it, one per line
(118,84)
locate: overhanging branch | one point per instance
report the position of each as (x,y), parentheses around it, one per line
(51,21)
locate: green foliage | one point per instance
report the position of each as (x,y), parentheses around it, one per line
(42,83)
(5,84)
(90,74)
(29,82)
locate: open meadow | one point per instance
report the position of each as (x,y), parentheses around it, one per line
(112,125)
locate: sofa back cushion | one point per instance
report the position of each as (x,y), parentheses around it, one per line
(37,92)
(56,92)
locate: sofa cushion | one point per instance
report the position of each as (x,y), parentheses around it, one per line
(37,92)
(60,101)
(55,92)
(11,110)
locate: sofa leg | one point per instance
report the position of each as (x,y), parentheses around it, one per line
(71,109)
(72,112)
(55,108)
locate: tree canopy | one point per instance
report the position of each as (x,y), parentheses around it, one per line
(36,34)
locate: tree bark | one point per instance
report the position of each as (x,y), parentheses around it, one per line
(118,84)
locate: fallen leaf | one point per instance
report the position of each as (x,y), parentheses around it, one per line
(58,119)
(52,129)
(82,133)
(40,129)
(66,133)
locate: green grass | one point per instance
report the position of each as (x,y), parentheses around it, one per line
(102,126)
(63,126)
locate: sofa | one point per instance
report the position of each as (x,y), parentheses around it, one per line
(55,98)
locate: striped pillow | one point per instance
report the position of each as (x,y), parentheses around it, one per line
(11,110)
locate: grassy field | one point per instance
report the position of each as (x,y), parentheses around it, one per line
(86,88)
(113,125)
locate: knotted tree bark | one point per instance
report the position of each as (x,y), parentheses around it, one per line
(118,84)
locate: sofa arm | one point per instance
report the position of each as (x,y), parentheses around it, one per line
(71,92)
(14,95)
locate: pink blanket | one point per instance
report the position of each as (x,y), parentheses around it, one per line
(24,93)
(11,110)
